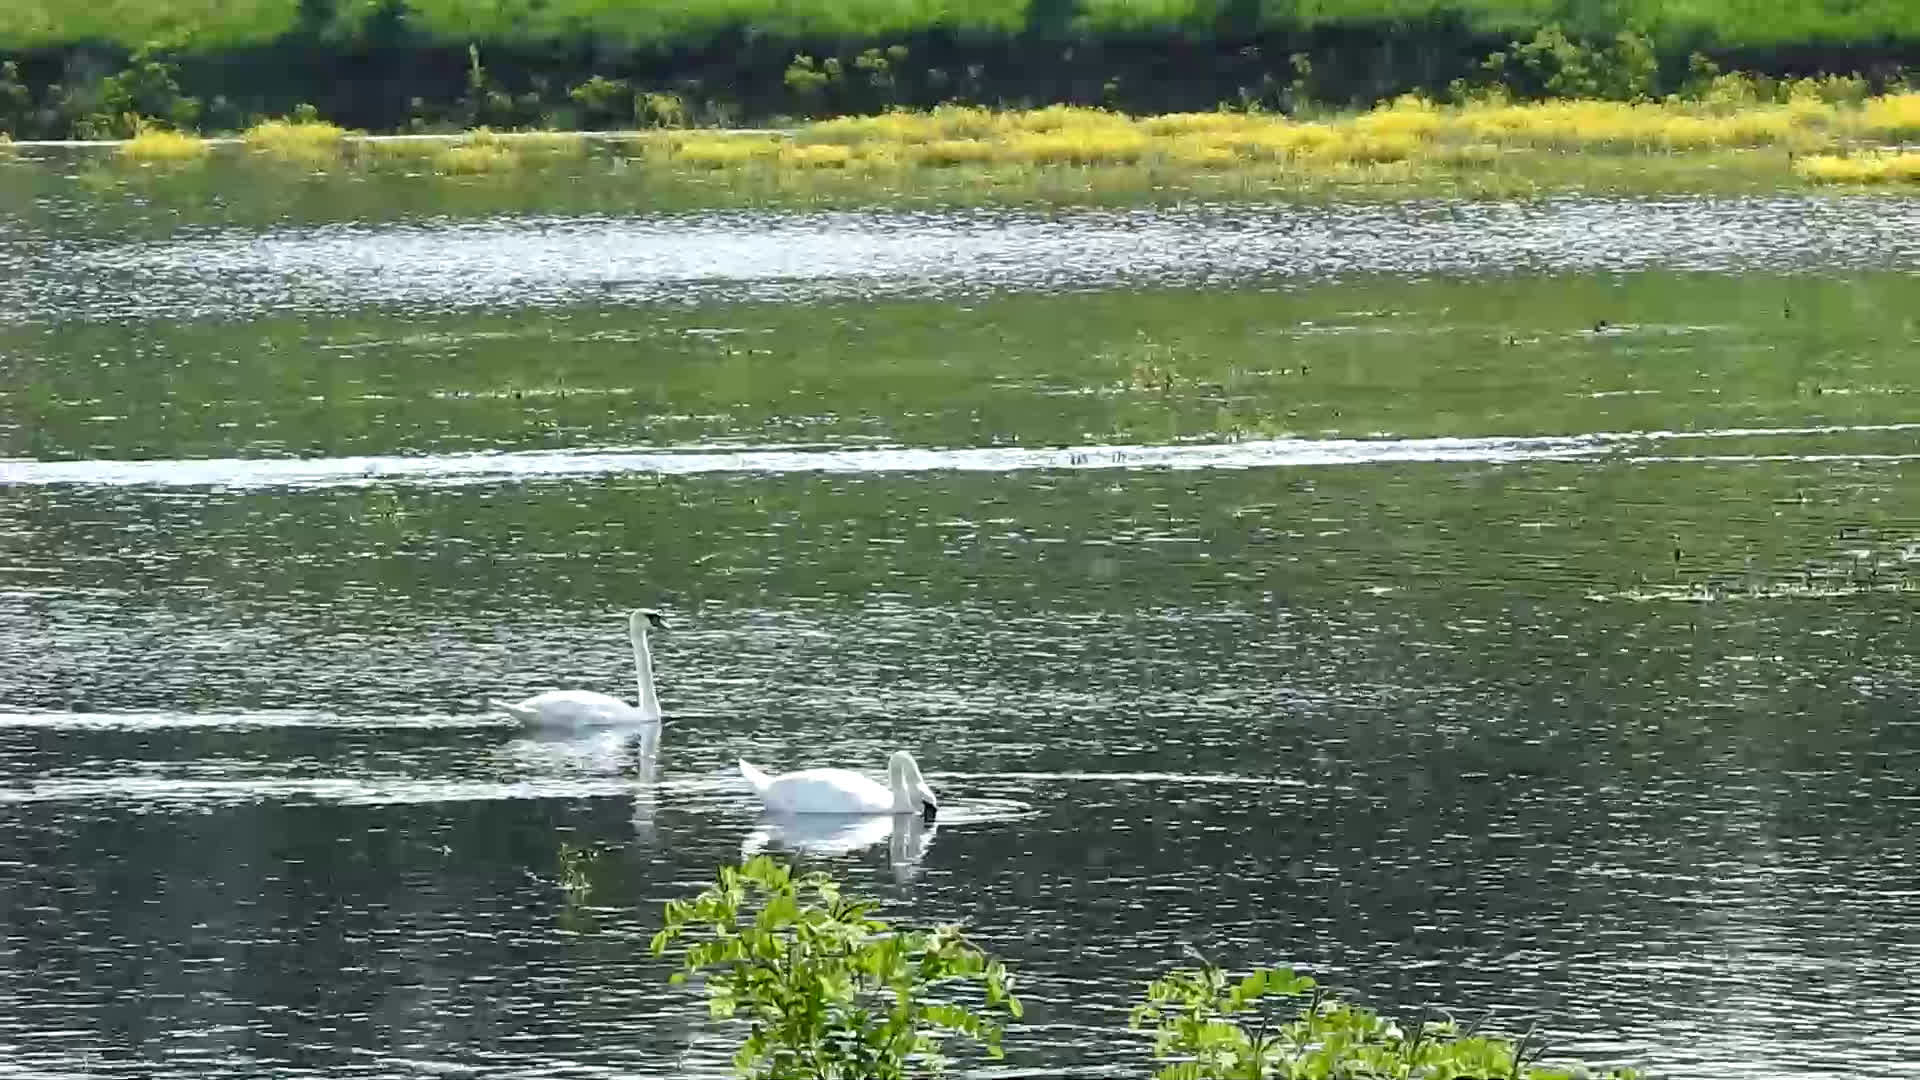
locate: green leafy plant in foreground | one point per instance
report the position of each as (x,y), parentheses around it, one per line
(1275,1023)
(829,992)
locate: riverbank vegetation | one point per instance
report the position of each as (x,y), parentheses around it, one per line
(1567,108)
(447,65)
(828,991)
(161,145)
(1811,132)
(222,23)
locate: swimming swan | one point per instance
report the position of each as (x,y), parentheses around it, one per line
(584,708)
(842,791)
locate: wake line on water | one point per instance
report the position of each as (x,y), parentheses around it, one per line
(484,468)
(1207,779)
(143,721)
(159,791)
(142,789)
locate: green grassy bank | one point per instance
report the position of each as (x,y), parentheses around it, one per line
(1410,147)
(389,65)
(958,155)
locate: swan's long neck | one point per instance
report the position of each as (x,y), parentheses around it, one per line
(643,669)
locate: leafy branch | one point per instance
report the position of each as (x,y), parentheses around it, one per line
(828,991)
(1208,1025)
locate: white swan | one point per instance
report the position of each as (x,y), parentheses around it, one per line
(842,791)
(584,708)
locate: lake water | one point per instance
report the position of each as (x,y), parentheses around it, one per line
(1494,607)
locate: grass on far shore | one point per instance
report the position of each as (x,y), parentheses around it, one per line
(306,142)
(159,146)
(1410,145)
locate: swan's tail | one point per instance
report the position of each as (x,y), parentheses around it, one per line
(755,777)
(511,709)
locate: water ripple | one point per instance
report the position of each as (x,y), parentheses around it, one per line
(485,468)
(266,719)
(538,261)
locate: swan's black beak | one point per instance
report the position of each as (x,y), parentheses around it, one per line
(658,621)
(928,810)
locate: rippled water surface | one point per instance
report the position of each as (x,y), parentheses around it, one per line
(440,264)
(1491,607)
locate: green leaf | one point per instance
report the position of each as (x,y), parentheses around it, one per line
(832,992)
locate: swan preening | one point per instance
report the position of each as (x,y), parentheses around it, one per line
(584,708)
(842,791)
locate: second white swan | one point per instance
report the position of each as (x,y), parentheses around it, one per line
(843,791)
(585,708)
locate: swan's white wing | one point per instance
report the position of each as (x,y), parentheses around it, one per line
(577,707)
(574,699)
(827,791)
(754,776)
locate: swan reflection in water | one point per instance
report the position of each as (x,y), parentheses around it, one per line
(646,793)
(907,837)
(608,754)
